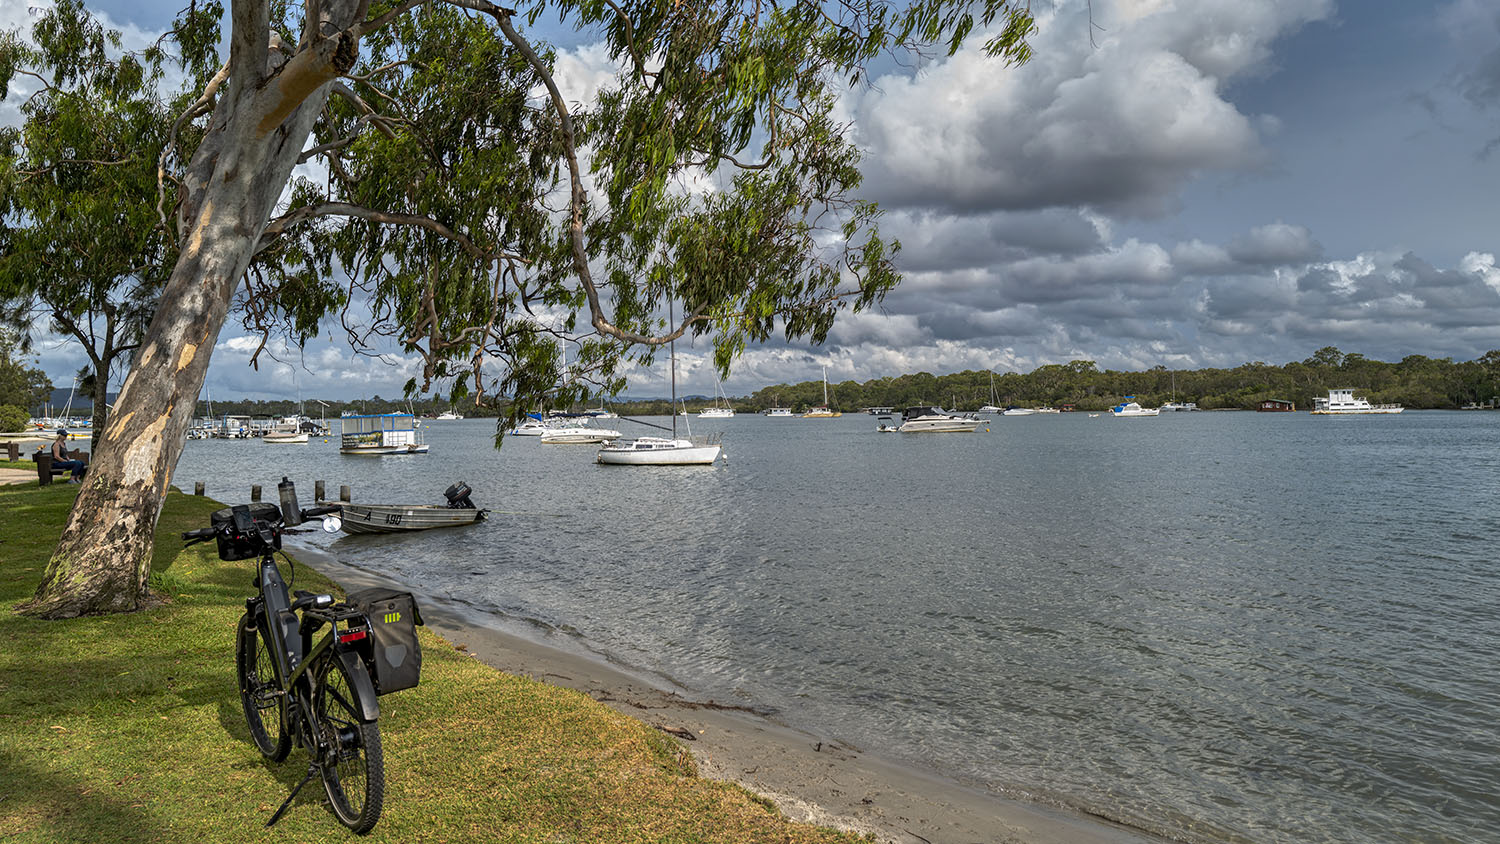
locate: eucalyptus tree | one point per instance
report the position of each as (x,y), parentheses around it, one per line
(81,254)
(22,385)
(466,206)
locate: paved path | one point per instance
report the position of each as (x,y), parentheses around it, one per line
(18,476)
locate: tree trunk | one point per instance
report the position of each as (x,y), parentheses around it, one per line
(257,131)
(101,395)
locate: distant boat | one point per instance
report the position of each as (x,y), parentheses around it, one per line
(447,416)
(1130,408)
(285,437)
(822,411)
(1177,406)
(991,408)
(287,431)
(933,420)
(721,408)
(381,434)
(579,435)
(662,451)
(1342,401)
(1018,411)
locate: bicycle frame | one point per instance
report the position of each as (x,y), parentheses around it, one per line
(293,652)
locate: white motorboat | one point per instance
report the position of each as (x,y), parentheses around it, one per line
(989,408)
(578,435)
(1342,401)
(448,416)
(780,412)
(1018,411)
(287,431)
(1178,406)
(533,427)
(1130,408)
(887,426)
(934,420)
(285,437)
(381,434)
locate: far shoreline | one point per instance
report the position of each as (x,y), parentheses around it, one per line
(809,779)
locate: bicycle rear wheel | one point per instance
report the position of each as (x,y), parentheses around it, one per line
(353,766)
(259,694)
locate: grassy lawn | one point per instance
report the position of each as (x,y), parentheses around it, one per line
(129,728)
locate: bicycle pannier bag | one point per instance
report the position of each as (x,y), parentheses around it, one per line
(395,660)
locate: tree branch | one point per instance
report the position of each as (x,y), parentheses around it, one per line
(578,196)
(199,106)
(385,20)
(344,209)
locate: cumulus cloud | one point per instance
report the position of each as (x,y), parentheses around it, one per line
(1274,244)
(1120,127)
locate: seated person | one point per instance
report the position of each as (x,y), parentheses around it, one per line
(60,458)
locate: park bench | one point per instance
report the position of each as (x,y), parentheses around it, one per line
(44,468)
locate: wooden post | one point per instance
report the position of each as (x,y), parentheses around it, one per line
(12,452)
(317,491)
(344,493)
(198,488)
(255,492)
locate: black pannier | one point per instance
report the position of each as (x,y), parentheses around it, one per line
(395,659)
(242,546)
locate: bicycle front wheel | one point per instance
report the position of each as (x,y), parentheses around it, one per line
(353,767)
(259,694)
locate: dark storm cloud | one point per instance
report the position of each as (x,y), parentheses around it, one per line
(933,242)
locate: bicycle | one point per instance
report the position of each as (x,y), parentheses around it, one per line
(319,695)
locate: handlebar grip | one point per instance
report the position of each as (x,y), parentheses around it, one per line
(195,536)
(313,512)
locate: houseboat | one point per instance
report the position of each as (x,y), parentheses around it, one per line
(381,433)
(1342,402)
(1276,406)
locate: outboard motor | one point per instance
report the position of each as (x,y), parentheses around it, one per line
(458,496)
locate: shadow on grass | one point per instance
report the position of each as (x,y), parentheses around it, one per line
(37,801)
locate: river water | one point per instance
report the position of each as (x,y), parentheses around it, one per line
(1216,627)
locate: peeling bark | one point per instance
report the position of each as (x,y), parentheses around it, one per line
(103,558)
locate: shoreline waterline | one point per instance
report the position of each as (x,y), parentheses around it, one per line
(814,780)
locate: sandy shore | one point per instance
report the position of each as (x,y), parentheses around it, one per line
(809,778)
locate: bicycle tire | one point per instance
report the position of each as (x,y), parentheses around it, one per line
(353,766)
(259,694)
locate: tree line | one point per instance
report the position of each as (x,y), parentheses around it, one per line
(1415,381)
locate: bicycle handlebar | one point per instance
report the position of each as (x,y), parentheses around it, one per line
(193,537)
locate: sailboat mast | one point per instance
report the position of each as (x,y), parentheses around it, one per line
(672,352)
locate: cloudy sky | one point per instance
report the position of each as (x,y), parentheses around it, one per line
(1193,183)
